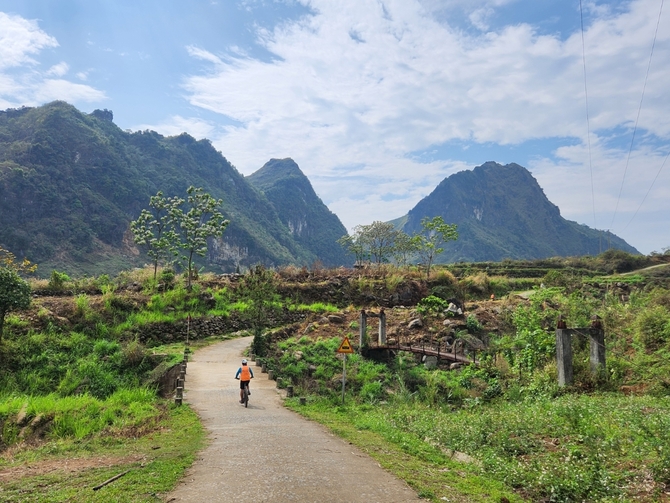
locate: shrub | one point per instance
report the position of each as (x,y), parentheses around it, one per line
(653,327)
(57,281)
(431,305)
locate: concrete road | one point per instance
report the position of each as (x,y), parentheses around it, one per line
(266,453)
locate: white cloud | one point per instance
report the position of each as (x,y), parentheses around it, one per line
(20,38)
(60,89)
(21,41)
(407,82)
(58,70)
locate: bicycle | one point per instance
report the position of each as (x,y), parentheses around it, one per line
(245,395)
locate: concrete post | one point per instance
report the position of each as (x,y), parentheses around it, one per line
(597,345)
(382,327)
(271,374)
(363,325)
(564,356)
(289,391)
(264,368)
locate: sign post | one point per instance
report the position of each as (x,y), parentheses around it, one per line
(188,328)
(345,348)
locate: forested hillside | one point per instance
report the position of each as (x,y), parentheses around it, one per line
(310,221)
(503,213)
(70,183)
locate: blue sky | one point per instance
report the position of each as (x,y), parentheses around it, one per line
(377,100)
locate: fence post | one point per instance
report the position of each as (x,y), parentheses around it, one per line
(382,327)
(597,345)
(363,326)
(564,356)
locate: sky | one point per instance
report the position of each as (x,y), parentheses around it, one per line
(378,100)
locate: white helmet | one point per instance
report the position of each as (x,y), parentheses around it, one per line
(244,361)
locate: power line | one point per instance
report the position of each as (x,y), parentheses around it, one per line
(645,196)
(588,124)
(644,87)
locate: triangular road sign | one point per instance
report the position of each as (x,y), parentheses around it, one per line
(345,347)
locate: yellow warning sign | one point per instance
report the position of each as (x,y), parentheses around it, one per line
(345,347)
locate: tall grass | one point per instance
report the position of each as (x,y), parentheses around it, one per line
(82,416)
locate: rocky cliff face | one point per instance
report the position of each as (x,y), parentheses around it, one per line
(70,183)
(308,219)
(502,212)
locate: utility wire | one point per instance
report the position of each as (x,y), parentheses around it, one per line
(588,124)
(644,87)
(645,196)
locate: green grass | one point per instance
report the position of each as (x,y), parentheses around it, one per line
(162,456)
(575,448)
(433,473)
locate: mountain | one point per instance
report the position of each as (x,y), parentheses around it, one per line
(502,212)
(71,182)
(310,221)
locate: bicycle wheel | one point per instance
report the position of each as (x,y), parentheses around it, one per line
(246,396)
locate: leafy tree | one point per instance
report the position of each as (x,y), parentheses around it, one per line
(154,229)
(15,294)
(8,261)
(258,288)
(379,238)
(202,221)
(404,246)
(354,246)
(434,234)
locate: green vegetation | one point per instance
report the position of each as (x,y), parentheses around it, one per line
(507,419)
(14,294)
(258,290)
(71,183)
(381,241)
(79,370)
(434,234)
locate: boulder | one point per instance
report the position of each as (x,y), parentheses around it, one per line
(336,319)
(415,323)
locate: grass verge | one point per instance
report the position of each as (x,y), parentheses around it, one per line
(68,469)
(432,472)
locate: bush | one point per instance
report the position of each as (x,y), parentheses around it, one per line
(653,327)
(431,305)
(57,281)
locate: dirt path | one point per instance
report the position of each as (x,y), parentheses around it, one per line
(267,453)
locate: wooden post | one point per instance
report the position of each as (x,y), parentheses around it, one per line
(597,345)
(289,391)
(564,356)
(382,327)
(363,329)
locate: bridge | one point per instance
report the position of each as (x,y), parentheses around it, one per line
(429,345)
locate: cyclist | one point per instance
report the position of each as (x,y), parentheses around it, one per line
(244,374)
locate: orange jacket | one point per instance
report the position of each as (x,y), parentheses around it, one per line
(245,373)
